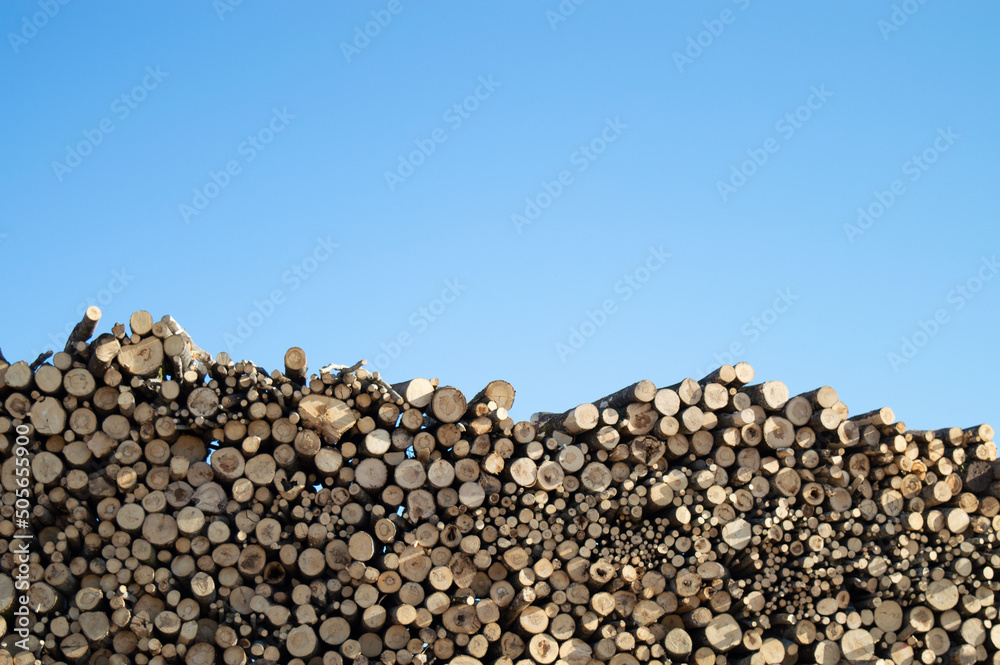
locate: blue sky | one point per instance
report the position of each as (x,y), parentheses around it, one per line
(568,196)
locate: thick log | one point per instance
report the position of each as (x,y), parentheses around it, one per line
(140,323)
(327,415)
(143,359)
(641,391)
(103,351)
(84,330)
(771,395)
(499,392)
(575,421)
(48,416)
(296,365)
(416,392)
(448,404)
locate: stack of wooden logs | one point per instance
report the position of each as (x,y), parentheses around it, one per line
(186,508)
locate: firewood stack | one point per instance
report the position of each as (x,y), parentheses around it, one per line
(192,509)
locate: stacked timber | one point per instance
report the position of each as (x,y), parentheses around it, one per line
(180,507)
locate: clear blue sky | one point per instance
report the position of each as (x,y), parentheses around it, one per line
(690,174)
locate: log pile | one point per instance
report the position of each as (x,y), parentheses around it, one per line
(188,508)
